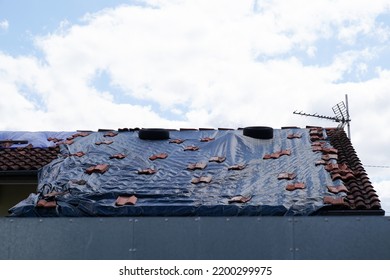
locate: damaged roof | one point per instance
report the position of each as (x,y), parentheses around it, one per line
(205,172)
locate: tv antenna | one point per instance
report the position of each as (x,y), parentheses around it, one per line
(341,112)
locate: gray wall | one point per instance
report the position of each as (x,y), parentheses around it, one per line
(14,189)
(196,238)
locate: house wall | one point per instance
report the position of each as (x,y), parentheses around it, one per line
(353,237)
(14,189)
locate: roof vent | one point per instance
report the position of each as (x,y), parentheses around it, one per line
(259,132)
(153,134)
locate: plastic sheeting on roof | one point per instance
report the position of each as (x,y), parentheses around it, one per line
(170,191)
(36,139)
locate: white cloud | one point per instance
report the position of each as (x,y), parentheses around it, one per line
(210,64)
(220,63)
(383,190)
(4,24)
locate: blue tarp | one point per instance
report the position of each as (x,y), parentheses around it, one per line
(36,139)
(169,192)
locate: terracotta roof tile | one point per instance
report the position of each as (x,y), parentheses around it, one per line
(217,159)
(191,148)
(337,189)
(158,156)
(176,141)
(100,168)
(27,158)
(237,167)
(334,200)
(276,155)
(356,180)
(198,165)
(78,154)
(118,156)
(239,199)
(147,171)
(46,204)
(287,176)
(203,179)
(126,200)
(295,186)
(206,139)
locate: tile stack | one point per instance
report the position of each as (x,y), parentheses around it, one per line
(361,194)
(26,159)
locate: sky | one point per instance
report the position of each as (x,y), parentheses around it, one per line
(70,64)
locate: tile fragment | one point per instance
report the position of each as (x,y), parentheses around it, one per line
(203,179)
(217,159)
(295,186)
(126,200)
(239,199)
(158,156)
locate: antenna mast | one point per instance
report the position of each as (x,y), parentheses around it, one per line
(341,112)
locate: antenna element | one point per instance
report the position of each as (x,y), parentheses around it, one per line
(341,112)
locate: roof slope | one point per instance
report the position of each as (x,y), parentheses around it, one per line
(23,152)
(203,172)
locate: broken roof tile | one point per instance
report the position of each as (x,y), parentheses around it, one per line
(240,166)
(287,176)
(295,186)
(239,199)
(191,148)
(46,204)
(276,155)
(100,168)
(206,139)
(118,156)
(203,179)
(334,200)
(331,166)
(83,133)
(158,156)
(198,165)
(217,159)
(329,151)
(176,141)
(147,171)
(337,189)
(68,142)
(54,140)
(126,200)
(78,134)
(78,154)
(110,134)
(286,152)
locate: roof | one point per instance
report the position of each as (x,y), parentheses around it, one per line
(26,152)
(290,171)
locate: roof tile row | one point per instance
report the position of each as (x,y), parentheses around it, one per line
(26,158)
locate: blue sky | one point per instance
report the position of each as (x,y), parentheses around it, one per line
(67,65)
